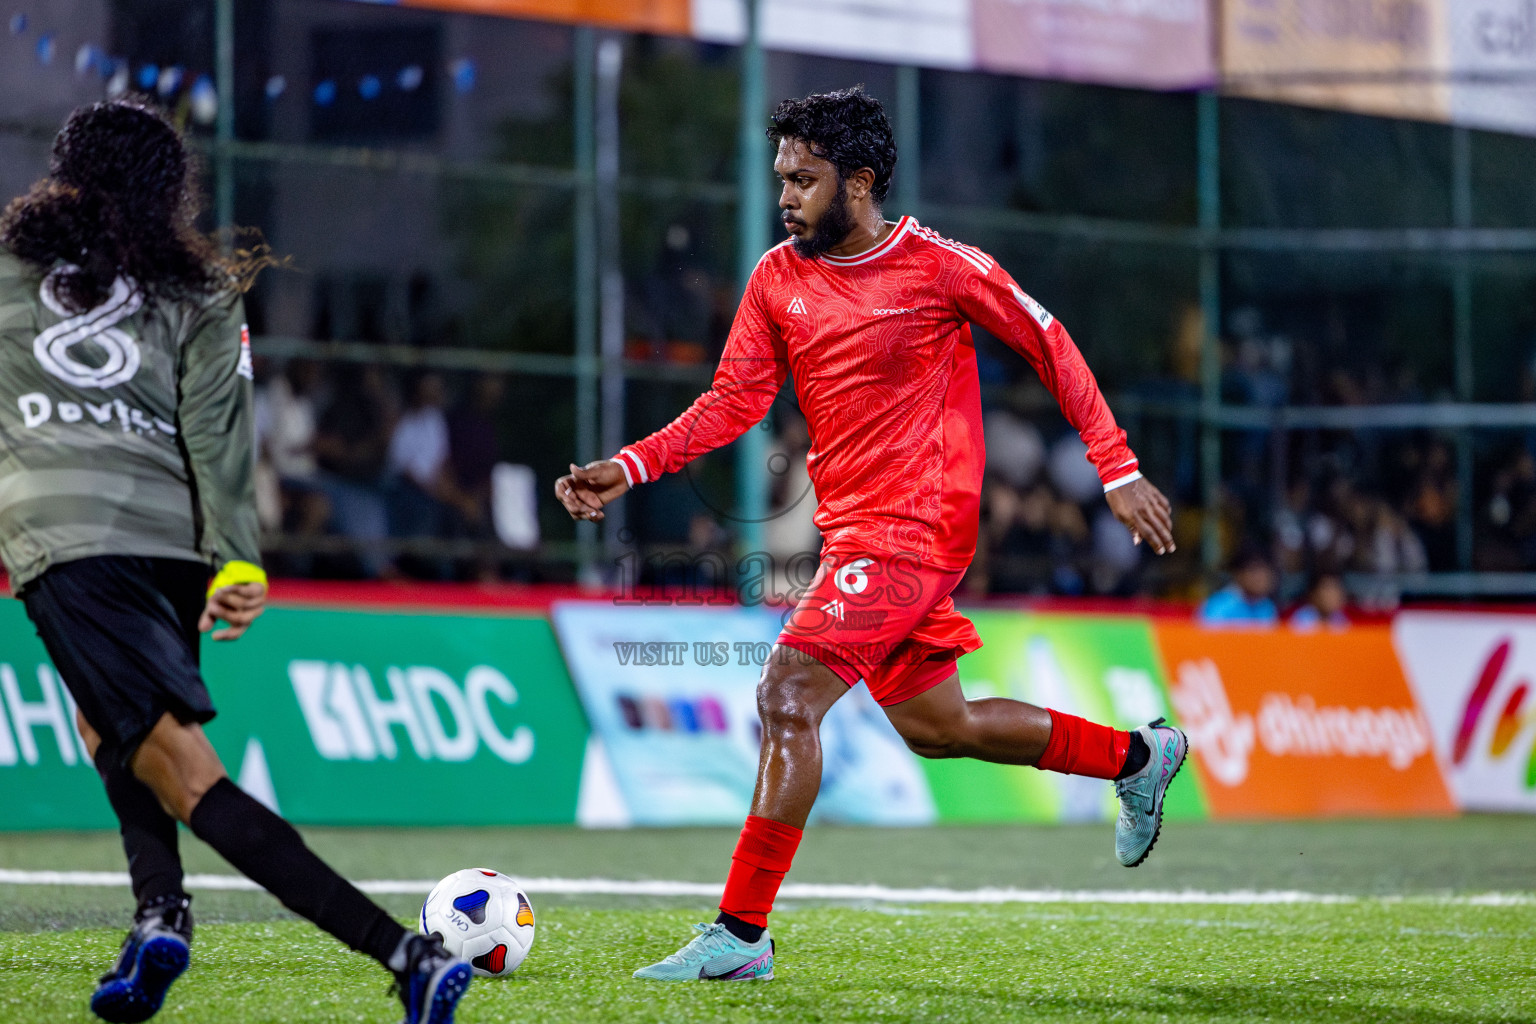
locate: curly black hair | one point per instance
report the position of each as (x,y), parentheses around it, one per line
(847,127)
(121,198)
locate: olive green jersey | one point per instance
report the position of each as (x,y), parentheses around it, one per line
(124,430)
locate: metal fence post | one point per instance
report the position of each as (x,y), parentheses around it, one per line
(909,131)
(751,241)
(1461,212)
(224,124)
(1209,185)
(610,275)
(584,117)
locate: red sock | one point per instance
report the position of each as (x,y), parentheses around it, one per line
(1080,747)
(763,855)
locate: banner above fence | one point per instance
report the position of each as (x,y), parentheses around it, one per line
(1470,62)
(669,17)
(1157,44)
(1160,44)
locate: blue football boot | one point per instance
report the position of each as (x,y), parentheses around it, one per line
(155,953)
(433,981)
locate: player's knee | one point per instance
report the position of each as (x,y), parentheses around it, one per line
(936,739)
(178,765)
(177,798)
(782,706)
(935,746)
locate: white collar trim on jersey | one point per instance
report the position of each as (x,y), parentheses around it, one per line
(903,226)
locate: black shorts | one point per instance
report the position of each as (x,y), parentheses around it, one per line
(122,633)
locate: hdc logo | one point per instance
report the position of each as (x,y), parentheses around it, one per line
(51,717)
(349,720)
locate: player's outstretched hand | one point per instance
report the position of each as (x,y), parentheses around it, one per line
(1145,512)
(238,604)
(586,489)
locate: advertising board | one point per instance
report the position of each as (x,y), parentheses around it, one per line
(1102,668)
(46,778)
(1288,724)
(1472,674)
(336,718)
(1155,44)
(671,694)
(1469,62)
(670,17)
(1159,44)
(671,691)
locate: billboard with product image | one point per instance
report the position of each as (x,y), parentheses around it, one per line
(672,696)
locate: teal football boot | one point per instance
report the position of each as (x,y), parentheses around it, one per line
(1141,795)
(715,955)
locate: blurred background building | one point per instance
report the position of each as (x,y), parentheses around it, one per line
(1295,239)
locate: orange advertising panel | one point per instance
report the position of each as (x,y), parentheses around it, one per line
(1287,724)
(668,17)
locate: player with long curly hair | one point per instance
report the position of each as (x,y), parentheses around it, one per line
(128,526)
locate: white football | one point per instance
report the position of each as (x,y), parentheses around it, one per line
(482,916)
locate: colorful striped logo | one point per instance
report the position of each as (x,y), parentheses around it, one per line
(1512,719)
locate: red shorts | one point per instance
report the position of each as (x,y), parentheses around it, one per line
(885,619)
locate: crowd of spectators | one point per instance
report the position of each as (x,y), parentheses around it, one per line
(352,451)
(1045,528)
(370,455)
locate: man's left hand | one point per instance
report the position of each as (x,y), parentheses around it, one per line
(1145,512)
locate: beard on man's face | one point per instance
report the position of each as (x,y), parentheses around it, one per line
(835,225)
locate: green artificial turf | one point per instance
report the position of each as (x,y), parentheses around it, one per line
(1397,952)
(1391,962)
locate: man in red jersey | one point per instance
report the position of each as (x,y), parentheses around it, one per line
(872,319)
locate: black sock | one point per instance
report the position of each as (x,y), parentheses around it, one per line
(149,837)
(1136,758)
(271,853)
(743,930)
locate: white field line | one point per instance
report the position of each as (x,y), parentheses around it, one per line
(813,891)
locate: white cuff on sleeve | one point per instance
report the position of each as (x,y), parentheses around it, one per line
(634,468)
(1134,475)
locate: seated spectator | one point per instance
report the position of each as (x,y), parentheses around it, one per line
(1322,607)
(1431,506)
(1249,598)
(418,461)
(1509,539)
(473,451)
(288,445)
(351,444)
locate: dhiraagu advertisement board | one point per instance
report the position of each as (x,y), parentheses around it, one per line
(334,717)
(1105,669)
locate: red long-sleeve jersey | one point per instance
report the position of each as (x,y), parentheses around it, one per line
(885,370)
